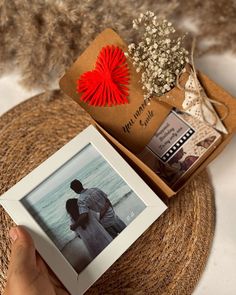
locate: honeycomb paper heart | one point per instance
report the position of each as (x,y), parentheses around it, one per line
(106,85)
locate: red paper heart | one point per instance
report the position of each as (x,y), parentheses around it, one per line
(107,83)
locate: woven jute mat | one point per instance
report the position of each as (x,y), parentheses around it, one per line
(168,258)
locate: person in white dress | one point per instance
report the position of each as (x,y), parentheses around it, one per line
(95,199)
(93,234)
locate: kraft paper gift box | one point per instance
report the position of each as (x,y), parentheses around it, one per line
(130,127)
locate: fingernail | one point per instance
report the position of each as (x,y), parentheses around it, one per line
(13,234)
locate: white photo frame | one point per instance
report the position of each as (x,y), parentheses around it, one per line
(12,201)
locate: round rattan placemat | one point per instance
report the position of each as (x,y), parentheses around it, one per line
(168,258)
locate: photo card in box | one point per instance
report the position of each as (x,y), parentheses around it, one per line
(179,146)
(84,207)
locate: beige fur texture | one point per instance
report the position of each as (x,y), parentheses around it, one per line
(42,38)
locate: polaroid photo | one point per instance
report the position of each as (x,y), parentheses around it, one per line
(84,206)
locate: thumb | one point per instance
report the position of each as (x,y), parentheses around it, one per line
(23,255)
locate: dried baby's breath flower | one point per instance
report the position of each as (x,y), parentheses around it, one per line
(159,55)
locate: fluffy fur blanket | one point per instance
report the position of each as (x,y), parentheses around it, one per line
(42,38)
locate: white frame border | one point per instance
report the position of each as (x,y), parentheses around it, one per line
(11,201)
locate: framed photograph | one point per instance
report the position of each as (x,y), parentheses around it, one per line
(84,206)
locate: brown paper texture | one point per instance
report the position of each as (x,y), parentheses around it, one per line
(132,124)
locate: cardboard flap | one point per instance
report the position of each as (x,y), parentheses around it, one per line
(215,92)
(133,124)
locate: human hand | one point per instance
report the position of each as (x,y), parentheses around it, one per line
(27,273)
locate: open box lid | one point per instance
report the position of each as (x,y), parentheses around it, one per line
(112,120)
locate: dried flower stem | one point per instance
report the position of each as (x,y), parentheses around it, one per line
(159,56)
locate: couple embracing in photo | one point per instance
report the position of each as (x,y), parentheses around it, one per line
(93,217)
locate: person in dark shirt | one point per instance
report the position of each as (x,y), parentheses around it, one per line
(96,200)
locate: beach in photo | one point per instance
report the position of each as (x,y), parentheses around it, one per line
(47,205)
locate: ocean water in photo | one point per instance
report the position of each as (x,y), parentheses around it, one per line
(47,203)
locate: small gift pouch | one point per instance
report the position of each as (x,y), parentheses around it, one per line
(107,86)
